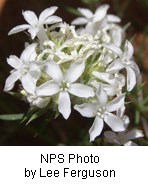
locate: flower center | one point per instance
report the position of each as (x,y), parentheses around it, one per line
(64,86)
(101,112)
(25,69)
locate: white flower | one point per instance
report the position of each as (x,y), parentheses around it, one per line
(36,25)
(125,119)
(99,15)
(32,97)
(116,80)
(97,21)
(93,22)
(113,19)
(102,112)
(117,34)
(24,68)
(124,61)
(64,84)
(123,138)
(109,89)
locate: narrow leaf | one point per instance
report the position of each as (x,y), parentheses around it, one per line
(11,117)
(37,114)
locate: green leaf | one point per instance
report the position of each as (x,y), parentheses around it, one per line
(28,115)
(37,114)
(145,101)
(90,1)
(11,117)
(72,10)
(137,117)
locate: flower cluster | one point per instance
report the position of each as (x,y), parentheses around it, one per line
(87,65)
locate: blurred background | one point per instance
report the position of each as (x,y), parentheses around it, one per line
(73,131)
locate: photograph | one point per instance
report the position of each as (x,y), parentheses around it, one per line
(74,73)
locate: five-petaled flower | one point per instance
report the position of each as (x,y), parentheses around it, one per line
(64,84)
(35,26)
(24,68)
(124,61)
(101,110)
(123,138)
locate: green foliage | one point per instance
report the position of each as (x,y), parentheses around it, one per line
(90,2)
(11,117)
(34,114)
(72,11)
(144,2)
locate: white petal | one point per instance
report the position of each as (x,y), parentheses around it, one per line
(10,81)
(42,35)
(54,71)
(90,29)
(101,95)
(75,71)
(18,28)
(96,128)
(130,143)
(128,53)
(47,89)
(131,78)
(41,102)
(30,17)
(28,52)
(114,48)
(52,20)
(107,77)
(117,36)
(101,24)
(14,61)
(121,111)
(81,90)
(100,13)
(116,103)
(85,12)
(79,21)
(133,134)
(33,32)
(87,109)
(110,89)
(126,121)
(99,18)
(64,104)
(102,7)
(28,83)
(111,137)
(46,13)
(113,18)
(115,66)
(135,67)
(35,70)
(114,122)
